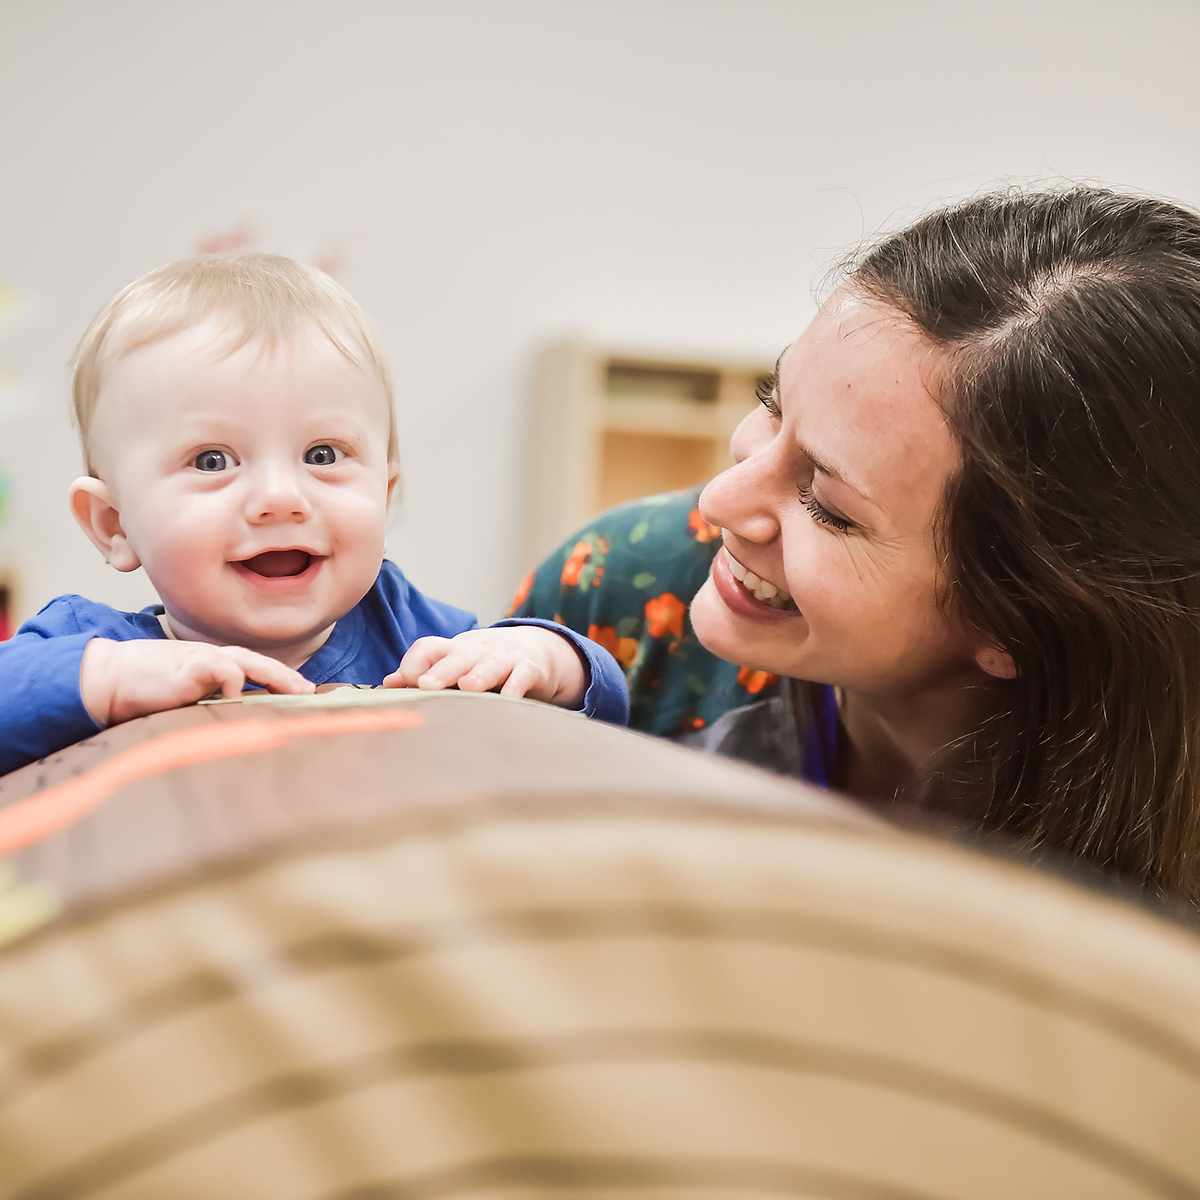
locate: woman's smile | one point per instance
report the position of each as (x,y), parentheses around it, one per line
(761,589)
(748,595)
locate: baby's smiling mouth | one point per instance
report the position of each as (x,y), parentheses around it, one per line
(278,564)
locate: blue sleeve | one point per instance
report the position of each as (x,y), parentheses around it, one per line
(41,710)
(607,695)
(413,614)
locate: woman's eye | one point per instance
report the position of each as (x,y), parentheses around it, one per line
(210,460)
(820,513)
(321,456)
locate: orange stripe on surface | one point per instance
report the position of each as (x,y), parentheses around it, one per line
(47,812)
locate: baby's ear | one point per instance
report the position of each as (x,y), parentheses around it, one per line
(91,501)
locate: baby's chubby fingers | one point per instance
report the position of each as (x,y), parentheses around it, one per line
(422,655)
(122,680)
(473,662)
(489,672)
(522,679)
(463,667)
(268,672)
(517,661)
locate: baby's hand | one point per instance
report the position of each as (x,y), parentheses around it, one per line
(122,680)
(526,660)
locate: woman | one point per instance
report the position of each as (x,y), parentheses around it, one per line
(967,516)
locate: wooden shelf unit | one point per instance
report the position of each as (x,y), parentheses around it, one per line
(608,426)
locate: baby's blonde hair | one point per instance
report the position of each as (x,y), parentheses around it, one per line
(250,295)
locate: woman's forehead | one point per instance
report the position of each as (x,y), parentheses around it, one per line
(856,387)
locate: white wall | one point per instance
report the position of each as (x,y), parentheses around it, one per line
(669,172)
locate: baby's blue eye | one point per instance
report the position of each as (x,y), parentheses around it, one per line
(210,460)
(320,456)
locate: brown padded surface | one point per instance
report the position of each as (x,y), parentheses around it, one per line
(508,954)
(469,753)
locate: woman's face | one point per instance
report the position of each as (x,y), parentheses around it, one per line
(832,503)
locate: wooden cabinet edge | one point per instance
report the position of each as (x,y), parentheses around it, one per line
(563,445)
(571,411)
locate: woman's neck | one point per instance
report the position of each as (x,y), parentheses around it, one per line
(890,741)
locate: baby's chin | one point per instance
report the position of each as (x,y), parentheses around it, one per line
(271,636)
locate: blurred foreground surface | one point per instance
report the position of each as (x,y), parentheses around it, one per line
(396,945)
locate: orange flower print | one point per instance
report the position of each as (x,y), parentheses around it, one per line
(574,565)
(522,593)
(700,529)
(624,650)
(664,614)
(754,681)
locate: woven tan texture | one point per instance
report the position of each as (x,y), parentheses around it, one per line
(721,985)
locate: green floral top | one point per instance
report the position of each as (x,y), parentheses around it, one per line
(626,580)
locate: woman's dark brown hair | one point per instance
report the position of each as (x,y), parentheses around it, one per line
(1069,326)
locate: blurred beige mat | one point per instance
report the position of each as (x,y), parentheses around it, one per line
(458,946)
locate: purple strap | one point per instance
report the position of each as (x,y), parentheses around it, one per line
(821,744)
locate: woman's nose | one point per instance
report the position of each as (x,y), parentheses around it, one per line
(277,494)
(743,498)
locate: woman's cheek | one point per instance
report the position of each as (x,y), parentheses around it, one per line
(805,558)
(822,579)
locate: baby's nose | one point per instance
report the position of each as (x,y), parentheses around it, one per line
(277,495)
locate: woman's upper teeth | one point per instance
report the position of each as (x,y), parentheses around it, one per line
(768,593)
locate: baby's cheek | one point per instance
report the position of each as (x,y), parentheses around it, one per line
(367,526)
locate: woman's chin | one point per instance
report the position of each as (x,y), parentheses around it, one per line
(709,617)
(723,633)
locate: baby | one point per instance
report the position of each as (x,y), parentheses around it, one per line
(238,432)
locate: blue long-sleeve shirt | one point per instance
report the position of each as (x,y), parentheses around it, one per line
(41,710)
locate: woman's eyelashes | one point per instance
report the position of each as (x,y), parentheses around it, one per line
(766,390)
(820,513)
